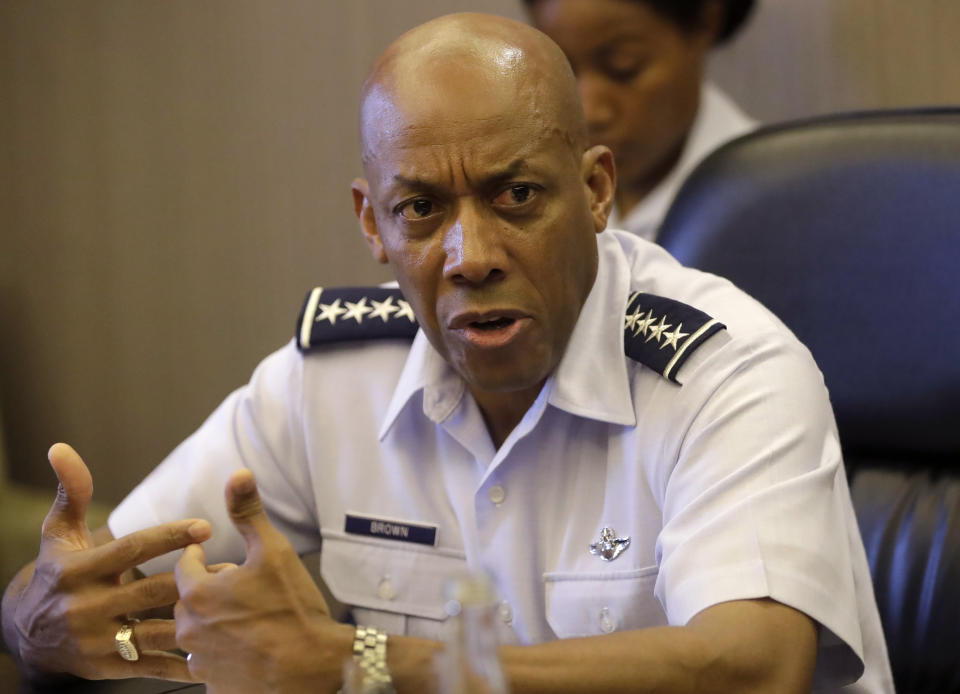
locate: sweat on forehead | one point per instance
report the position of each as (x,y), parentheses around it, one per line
(470,66)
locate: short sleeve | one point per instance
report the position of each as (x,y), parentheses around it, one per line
(757,503)
(258,427)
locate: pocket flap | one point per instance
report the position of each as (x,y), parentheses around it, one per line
(388,576)
(600,602)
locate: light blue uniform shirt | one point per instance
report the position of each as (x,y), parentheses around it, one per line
(729,487)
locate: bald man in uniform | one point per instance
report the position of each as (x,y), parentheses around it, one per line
(511,433)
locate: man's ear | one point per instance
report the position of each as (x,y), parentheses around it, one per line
(600,182)
(368,222)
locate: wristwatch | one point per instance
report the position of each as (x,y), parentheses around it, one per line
(370,654)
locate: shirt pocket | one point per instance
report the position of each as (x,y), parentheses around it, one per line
(390,585)
(588,603)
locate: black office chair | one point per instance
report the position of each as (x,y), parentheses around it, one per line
(848,228)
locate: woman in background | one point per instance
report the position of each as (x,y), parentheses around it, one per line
(640,66)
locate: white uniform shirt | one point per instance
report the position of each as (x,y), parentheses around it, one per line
(718,120)
(730,486)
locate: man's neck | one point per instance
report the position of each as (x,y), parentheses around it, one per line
(503,411)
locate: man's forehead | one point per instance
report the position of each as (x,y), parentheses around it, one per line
(439,115)
(473,134)
(460,154)
(419,94)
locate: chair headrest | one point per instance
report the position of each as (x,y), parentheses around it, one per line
(847,228)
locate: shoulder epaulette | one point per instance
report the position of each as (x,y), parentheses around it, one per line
(662,333)
(353,313)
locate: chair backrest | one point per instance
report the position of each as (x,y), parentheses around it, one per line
(848,228)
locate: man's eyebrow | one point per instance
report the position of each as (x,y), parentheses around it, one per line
(506,173)
(509,171)
(414,183)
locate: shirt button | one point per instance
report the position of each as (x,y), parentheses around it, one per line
(506,612)
(607,625)
(497,494)
(385,589)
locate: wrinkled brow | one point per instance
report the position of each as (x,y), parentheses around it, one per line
(511,170)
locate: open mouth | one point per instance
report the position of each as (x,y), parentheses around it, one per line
(492,324)
(491,330)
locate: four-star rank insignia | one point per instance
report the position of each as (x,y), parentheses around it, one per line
(353,313)
(657,332)
(662,333)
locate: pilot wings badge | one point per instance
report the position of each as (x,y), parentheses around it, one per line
(609,546)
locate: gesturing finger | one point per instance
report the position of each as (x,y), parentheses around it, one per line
(131,550)
(163,666)
(67,518)
(191,568)
(247,512)
(140,595)
(156,635)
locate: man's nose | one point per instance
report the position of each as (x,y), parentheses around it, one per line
(598,107)
(473,247)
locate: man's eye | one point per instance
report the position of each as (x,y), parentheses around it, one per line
(515,195)
(416,209)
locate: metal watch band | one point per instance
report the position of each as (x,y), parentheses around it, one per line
(370,653)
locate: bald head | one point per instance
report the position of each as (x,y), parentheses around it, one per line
(470,68)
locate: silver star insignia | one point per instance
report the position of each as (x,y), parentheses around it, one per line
(405,311)
(330,312)
(357,310)
(672,338)
(630,321)
(383,309)
(644,323)
(657,331)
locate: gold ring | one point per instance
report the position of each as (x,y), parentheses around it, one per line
(124,641)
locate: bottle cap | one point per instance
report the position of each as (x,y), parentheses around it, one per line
(475,590)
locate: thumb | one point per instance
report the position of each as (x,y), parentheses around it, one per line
(68,515)
(247,512)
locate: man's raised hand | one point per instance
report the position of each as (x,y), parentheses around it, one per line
(263,625)
(79,595)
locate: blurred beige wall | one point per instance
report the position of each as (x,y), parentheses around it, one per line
(174,176)
(804,57)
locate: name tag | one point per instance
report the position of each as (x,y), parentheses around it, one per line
(389,529)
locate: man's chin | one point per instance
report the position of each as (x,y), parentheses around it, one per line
(503,384)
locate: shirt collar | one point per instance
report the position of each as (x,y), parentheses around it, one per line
(425,370)
(590,380)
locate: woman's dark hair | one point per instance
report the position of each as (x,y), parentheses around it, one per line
(686,13)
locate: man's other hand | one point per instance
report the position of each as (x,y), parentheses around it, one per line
(263,625)
(80,594)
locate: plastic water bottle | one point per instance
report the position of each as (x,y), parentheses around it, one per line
(470,661)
